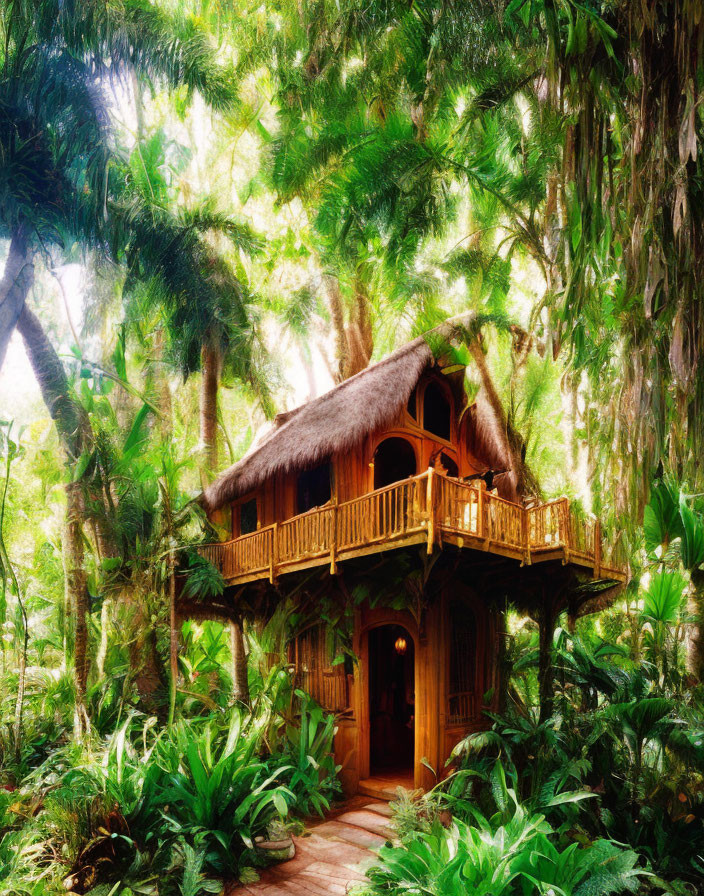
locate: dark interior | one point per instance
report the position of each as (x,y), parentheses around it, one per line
(436,411)
(394,460)
(449,465)
(313,488)
(411,407)
(391,700)
(248,516)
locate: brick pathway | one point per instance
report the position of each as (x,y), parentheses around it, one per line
(330,857)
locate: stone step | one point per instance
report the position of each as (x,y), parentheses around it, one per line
(368,820)
(350,834)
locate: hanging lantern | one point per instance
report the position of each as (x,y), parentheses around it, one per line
(401,645)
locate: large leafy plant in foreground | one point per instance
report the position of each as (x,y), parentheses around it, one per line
(512,853)
(216,788)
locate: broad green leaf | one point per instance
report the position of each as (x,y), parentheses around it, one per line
(663,597)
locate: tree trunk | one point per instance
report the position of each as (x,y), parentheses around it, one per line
(76,436)
(354,343)
(14,287)
(337,316)
(71,420)
(695,657)
(210,378)
(78,589)
(173,639)
(240,681)
(546,679)
(521,478)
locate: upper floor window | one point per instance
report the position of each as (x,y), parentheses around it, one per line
(248,516)
(394,460)
(437,413)
(412,406)
(313,489)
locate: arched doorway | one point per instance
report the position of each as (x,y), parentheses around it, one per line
(391,697)
(394,460)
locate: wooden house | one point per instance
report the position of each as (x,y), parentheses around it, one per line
(390,496)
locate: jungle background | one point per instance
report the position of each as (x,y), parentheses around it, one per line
(213,211)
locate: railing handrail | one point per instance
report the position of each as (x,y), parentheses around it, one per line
(384,488)
(499,500)
(323,508)
(570,531)
(239,538)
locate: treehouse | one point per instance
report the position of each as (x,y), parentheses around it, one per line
(389,503)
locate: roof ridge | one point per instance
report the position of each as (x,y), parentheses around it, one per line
(338,387)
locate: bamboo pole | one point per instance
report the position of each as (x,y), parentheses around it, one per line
(333,542)
(272,554)
(431,510)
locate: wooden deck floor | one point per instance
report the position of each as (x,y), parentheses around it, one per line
(330,858)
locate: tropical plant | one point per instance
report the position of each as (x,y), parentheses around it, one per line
(217,789)
(511,852)
(307,756)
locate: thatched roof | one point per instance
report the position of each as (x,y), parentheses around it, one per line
(339,420)
(334,422)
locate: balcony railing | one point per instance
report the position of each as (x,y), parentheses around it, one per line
(429,508)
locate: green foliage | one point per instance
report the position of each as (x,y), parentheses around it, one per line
(203,580)
(216,789)
(189,802)
(618,738)
(511,852)
(662,599)
(309,771)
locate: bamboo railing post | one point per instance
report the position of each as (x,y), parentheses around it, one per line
(333,542)
(272,555)
(525,533)
(480,510)
(431,511)
(565,526)
(486,515)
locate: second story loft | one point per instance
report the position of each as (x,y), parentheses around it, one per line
(392,457)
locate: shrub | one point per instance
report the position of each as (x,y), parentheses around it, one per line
(512,853)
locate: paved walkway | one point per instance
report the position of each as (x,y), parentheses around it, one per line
(330,858)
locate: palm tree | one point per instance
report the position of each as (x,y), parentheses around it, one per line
(204,301)
(55,147)
(55,124)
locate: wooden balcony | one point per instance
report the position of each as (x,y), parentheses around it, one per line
(428,509)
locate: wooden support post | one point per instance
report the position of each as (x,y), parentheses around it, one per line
(484,515)
(480,511)
(597,549)
(546,684)
(525,533)
(431,510)
(272,555)
(333,542)
(566,535)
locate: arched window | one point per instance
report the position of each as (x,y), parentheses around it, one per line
(462,698)
(313,488)
(437,412)
(394,460)
(412,405)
